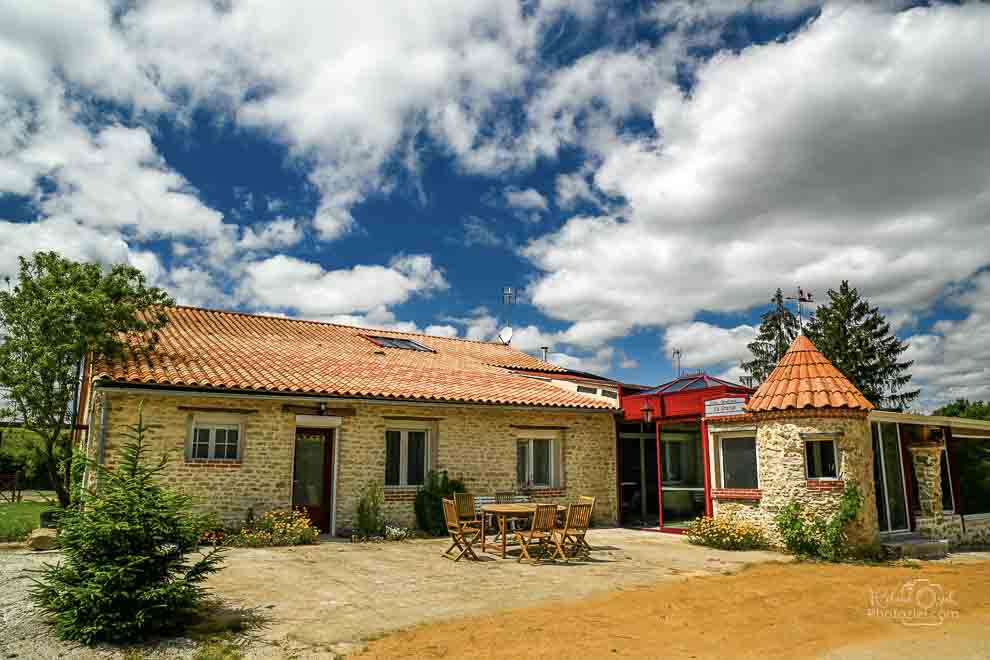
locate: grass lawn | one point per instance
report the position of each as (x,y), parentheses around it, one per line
(17,520)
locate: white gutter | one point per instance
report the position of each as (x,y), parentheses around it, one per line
(340,400)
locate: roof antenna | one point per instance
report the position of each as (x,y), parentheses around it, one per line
(676,354)
(508,300)
(801,298)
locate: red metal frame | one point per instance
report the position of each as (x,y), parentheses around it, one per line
(678,407)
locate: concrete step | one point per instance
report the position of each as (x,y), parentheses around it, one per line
(915,547)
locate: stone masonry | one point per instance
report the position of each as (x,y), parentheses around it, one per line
(782,477)
(476,444)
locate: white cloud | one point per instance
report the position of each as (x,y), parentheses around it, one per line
(441,330)
(704,345)
(477,232)
(526,200)
(282,282)
(278,233)
(856,149)
(345,85)
(952,360)
(62,235)
(598,363)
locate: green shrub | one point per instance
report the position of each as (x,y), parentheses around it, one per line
(370,520)
(127,570)
(726,533)
(276,527)
(429,502)
(809,534)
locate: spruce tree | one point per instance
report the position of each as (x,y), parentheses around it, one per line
(857,339)
(778,328)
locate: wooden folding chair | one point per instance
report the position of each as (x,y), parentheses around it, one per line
(571,535)
(503,497)
(465,508)
(585,499)
(462,536)
(540,531)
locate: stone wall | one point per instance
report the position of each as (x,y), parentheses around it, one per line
(782,477)
(476,444)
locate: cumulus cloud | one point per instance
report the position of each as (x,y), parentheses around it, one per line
(290,284)
(704,345)
(855,149)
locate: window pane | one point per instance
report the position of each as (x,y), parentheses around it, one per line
(973,460)
(308,484)
(227,446)
(201,443)
(522,469)
(541,462)
(393,440)
(820,457)
(893,477)
(946,484)
(416,457)
(739,462)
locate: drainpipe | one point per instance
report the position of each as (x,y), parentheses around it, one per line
(101,444)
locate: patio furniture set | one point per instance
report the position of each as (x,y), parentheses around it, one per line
(546,530)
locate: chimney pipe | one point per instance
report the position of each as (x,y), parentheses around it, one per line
(545,350)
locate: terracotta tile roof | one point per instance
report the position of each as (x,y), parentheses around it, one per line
(233,351)
(804,378)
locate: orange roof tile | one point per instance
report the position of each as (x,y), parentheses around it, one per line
(233,351)
(804,378)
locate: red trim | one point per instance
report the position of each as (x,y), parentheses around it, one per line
(659,480)
(705,464)
(753,494)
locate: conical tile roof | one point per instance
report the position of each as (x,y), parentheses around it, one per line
(804,378)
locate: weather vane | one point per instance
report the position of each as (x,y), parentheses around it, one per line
(676,355)
(802,297)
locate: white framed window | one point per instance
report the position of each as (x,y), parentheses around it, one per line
(216,438)
(821,459)
(407,456)
(538,462)
(738,462)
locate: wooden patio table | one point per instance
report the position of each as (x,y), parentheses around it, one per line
(503,512)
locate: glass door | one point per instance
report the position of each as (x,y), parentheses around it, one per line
(682,475)
(888,475)
(312,479)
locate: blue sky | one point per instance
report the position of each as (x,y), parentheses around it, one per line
(645,175)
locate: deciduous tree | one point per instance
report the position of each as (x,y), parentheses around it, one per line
(58,312)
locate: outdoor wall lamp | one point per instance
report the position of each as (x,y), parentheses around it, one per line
(647,413)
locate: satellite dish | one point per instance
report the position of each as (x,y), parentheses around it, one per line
(505,335)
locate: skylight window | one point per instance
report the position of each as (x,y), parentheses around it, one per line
(395,342)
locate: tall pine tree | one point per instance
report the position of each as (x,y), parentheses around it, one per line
(778,328)
(857,339)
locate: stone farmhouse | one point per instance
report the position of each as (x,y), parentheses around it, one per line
(259,412)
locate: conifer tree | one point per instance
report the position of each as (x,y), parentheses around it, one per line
(778,328)
(857,339)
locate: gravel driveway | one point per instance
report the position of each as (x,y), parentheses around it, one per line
(329,598)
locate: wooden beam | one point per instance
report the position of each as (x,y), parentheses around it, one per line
(232,411)
(539,428)
(410,418)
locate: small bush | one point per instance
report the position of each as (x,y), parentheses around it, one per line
(395,532)
(809,534)
(726,533)
(127,572)
(274,528)
(370,520)
(429,502)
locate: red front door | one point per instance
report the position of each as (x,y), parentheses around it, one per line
(312,478)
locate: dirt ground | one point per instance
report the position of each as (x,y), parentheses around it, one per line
(643,594)
(770,611)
